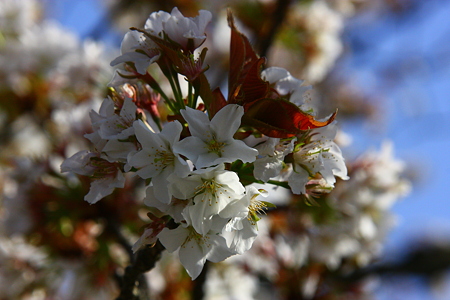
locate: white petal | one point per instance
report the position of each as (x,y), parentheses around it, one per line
(192,258)
(231,180)
(101,188)
(236,209)
(273,74)
(244,238)
(171,132)
(145,136)
(218,249)
(79,163)
(184,188)
(141,161)
(155,21)
(267,167)
(298,180)
(239,150)
(175,28)
(198,216)
(191,147)
(128,111)
(198,122)
(118,151)
(161,189)
(209,159)
(204,17)
(173,239)
(227,121)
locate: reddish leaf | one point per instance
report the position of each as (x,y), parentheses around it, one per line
(305,121)
(201,85)
(244,80)
(253,87)
(217,103)
(280,118)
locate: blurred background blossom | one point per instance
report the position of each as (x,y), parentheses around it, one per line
(384,64)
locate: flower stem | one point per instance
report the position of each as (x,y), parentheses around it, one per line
(190,96)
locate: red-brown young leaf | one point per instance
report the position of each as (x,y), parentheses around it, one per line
(280,118)
(217,103)
(264,109)
(201,85)
(244,78)
(253,87)
(272,117)
(305,121)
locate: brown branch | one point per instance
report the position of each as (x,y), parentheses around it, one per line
(279,15)
(427,261)
(144,261)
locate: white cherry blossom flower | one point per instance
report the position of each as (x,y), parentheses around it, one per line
(108,125)
(210,192)
(110,129)
(142,51)
(139,50)
(173,209)
(157,159)
(195,248)
(117,126)
(212,141)
(178,28)
(106,175)
(322,155)
(243,220)
(287,85)
(270,160)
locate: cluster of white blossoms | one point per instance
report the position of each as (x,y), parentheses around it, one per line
(199,164)
(316,26)
(47,72)
(50,81)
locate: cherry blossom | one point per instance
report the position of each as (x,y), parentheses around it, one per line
(212,141)
(157,160)
(139,50)
(189,33)
(195,248)
(243,223)
(202,156)
(286,84)
(210,192)
(106,176)
(321,155)
(271,156)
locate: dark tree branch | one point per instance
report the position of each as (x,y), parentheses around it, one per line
(279,15)
(144,261)
(140,262)
(427,261)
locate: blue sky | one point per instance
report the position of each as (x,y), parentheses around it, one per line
(407,59)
